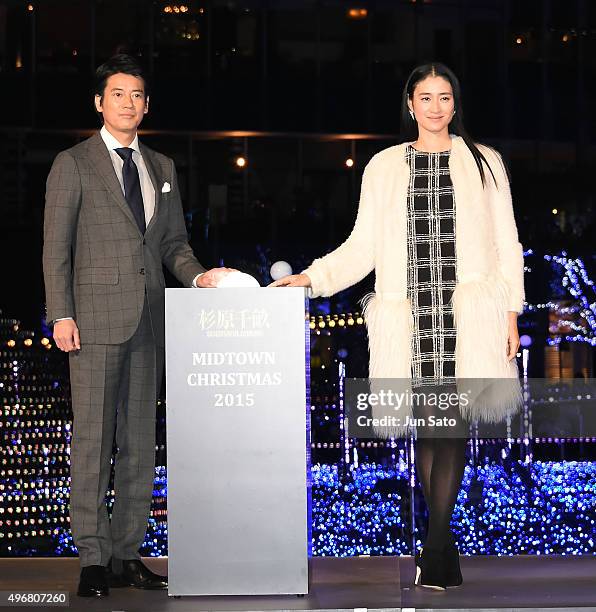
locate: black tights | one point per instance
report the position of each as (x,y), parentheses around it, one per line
(440,464)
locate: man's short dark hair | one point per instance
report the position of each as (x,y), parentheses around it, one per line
(118,64)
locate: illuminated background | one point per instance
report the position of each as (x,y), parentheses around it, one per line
(271,110)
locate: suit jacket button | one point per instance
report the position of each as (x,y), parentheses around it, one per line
(142,271)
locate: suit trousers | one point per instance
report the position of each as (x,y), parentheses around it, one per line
(114,389)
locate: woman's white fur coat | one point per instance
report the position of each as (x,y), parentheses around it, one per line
(490,270)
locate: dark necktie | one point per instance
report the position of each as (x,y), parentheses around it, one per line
(132,186)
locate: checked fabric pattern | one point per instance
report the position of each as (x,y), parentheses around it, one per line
(431,266)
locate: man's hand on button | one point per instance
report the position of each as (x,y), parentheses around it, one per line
(213,276)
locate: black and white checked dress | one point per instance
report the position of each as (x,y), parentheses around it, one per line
(431,266)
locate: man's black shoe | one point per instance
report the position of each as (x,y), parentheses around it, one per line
(115,580)
(94,582)
(138,575)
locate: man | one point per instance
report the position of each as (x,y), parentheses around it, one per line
(113,216)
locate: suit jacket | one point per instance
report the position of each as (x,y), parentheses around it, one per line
(490,268)
(97,264)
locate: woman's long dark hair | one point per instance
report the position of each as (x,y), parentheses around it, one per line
(409,127)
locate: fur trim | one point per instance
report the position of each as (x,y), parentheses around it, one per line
(482,370)
(389,323)
(480,311)
(491,401)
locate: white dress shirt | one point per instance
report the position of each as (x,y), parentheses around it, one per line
(147,189)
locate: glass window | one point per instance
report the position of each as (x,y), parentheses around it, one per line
(526,89)
(64,58)
(563,13)
(63,50)
(526,13)
(15,63)
(563,94)
(482,88)
(121,27)
(292,57)
(236,58)
(181,38)
(292,44)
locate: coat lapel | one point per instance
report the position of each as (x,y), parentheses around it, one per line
(464,174)
(470,213)
(102,163)
(155,179)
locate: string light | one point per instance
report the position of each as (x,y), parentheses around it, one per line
(357,13)
(575,281)
(362,510)
(341,320)
(169,9)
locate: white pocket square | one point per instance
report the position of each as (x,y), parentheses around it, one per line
(166,188)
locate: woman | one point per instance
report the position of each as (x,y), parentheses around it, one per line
(435,222)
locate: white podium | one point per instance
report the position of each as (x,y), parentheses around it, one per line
(238,441)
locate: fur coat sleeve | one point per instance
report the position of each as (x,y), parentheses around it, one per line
(509,251)
(354,258)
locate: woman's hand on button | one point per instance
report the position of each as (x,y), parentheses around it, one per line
(292,280)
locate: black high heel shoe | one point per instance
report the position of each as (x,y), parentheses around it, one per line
(452,569)
(453,576)
(430,570)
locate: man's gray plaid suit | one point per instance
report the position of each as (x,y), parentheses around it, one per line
(101,271)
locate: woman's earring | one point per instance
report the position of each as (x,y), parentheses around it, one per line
(412,115)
